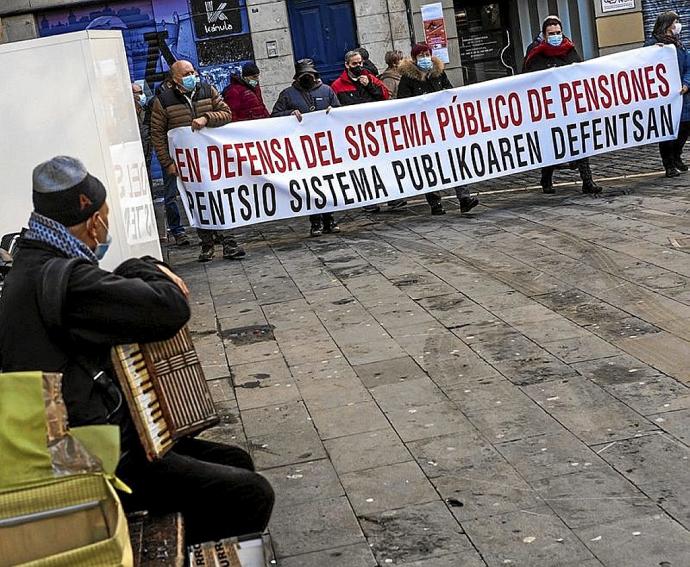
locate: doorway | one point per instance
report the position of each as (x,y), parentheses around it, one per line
(486,39)
(323,30)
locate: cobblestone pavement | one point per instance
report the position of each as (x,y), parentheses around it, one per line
(508,387)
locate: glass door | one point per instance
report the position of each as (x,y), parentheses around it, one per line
(485,37)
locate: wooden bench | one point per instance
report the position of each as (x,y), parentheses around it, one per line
(157,541)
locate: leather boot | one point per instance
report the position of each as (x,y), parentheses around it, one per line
(588,185)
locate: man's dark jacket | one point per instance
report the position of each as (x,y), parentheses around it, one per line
(136,303)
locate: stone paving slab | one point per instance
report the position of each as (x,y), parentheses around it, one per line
(508,387)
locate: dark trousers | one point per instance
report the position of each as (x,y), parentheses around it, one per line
(213,485)
(434,197)
(172,211)
(582,166)
(208,237)
(672,150)
(322,219)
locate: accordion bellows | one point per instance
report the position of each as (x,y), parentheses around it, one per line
(166,391)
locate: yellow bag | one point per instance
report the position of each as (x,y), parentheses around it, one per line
(48,517)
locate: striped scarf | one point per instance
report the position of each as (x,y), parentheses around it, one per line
(48,231)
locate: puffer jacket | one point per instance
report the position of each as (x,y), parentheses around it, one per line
(414,82)
(172,109)
(245,101)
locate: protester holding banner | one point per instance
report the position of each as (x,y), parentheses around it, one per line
(308,94)
(667,32)
(190,102)
(357,85)
(557,50)
(424,74)
(243,95)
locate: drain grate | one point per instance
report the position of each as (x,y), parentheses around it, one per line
(249,335)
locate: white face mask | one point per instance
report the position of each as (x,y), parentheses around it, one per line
(676,28)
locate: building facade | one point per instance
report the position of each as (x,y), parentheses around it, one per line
(484,39)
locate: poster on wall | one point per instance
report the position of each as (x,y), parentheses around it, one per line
(435,30)
(158,32)
(616,5)
(212,34)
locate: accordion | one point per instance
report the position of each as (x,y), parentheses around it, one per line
(166,391)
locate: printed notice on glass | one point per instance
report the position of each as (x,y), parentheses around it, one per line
(616,5)
(435,30)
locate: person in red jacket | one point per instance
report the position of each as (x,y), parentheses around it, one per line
(243,95)
(356,85)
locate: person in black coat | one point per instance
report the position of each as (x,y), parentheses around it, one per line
(423,74)
(71,329)
(308,94)
(556,50)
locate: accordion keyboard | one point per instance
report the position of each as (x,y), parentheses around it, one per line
(166,391)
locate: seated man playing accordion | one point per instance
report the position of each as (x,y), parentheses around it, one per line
(213,485)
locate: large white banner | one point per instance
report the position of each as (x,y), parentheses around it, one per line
(270,169)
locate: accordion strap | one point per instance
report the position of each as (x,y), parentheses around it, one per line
(51,293)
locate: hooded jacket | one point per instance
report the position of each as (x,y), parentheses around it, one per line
(319,97)
(245,102)
(414,82)
(351,92)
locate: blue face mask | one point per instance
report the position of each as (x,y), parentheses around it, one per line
(425,63)
(555,40)
(142,99)
(189,82)
(252,82)
(102,247)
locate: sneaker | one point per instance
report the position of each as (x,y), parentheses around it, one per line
(548,189)
(207,253)
(672,172)
(438,210)
(233,252)
(468,203)
(181,239)
(591,188)
(395,205)
(331,228)
(680,165)
(316,230)
(372,209)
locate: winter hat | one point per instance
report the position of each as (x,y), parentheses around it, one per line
(250,69)
(550,21)
(304,66)
(418,49)
(64,191)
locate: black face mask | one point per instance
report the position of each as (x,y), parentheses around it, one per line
(307,82)
(356,71)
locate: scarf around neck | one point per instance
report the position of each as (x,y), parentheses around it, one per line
(548,50)
(51,232)
(669,40)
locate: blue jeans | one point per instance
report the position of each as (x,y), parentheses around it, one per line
(172,211)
